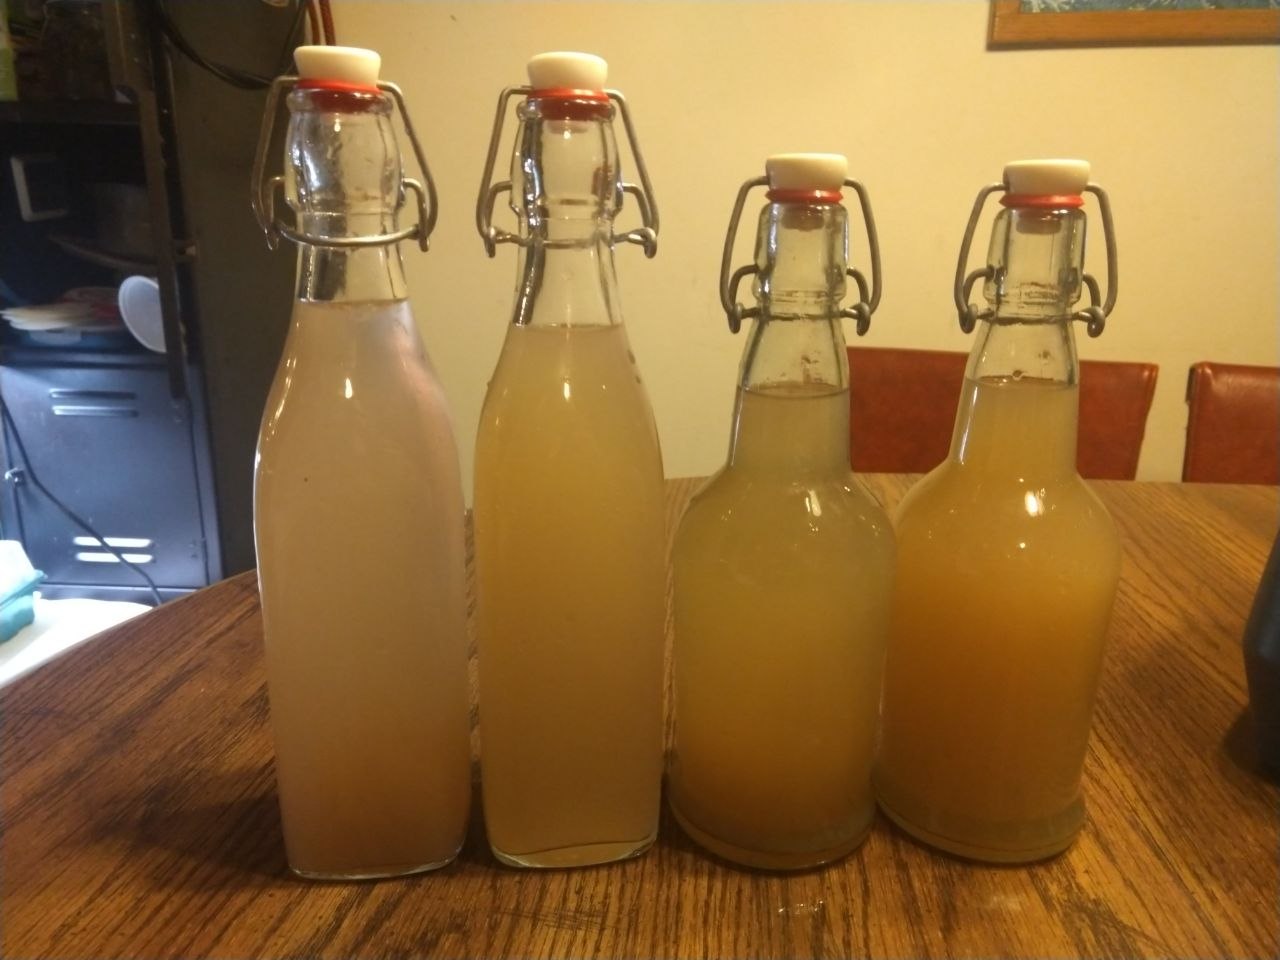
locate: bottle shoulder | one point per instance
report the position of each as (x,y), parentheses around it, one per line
(536,359)
(372,400)
(578,386)
(951,508)
(828,506)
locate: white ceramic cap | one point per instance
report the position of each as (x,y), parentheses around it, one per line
(1046,178)
(344,64)
(807,171)
(565,70)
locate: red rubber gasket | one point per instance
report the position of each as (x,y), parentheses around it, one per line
(337,96)
(567,93)
(804,196)
(1051,201)
(337,86)
(564,103)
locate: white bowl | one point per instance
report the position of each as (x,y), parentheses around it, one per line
(139,300)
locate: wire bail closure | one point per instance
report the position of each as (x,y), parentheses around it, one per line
(263,188)
(1095,315)
(645,236)
(860,312)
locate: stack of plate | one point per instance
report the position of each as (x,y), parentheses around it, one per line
(84,310)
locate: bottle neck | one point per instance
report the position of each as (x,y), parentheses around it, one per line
(792,410)
(1035,263)
(568,283)
(1018,414)
(337,274)
(565,192)
(343,181)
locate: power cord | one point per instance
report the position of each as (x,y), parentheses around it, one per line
(29,473)
(241,79)
(315,25)
(326,18)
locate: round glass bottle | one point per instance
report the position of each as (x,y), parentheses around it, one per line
(783,568)
(1007,564)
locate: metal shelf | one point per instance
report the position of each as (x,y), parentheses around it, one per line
(90,252)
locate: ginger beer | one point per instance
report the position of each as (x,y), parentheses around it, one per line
(782,570)
(358,516)
(1007,568)
(570,572)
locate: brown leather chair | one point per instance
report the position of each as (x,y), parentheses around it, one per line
(1115,399)
(1233,425)
(903,409)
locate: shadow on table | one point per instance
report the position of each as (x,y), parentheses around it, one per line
(1240,748)
(229,822)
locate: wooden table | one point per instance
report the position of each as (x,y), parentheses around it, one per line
(140,820)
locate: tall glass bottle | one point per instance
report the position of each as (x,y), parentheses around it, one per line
(568,504)
(358,509)
(783,565)
(1007,561)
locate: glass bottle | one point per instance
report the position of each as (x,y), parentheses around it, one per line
(570,567)
(358,509)
(783,566)
(1007,561)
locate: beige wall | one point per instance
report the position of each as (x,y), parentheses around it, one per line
(1184,139)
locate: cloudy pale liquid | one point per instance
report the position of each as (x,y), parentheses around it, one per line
(571,584)
(783,569)
(358,516)
(1007,571)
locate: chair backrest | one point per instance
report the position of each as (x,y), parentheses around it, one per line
(1115,399)
(1233,424)
(902,407)
(903,410)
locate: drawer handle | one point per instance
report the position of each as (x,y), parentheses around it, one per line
(84,410)
(95,556)
(63,393)
(120,543)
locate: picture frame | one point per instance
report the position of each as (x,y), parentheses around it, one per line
(1015,23)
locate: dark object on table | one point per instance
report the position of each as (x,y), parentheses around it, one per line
(1262,663)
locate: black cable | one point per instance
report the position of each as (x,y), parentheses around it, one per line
(326,17)
(30,473)
(241,79)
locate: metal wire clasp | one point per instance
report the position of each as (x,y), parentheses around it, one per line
(1095,315)
(646,236)
(263,188)
(860,312)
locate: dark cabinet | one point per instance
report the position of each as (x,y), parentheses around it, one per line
(109,439)
(154,450)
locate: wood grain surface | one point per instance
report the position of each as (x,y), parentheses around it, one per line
(139,812)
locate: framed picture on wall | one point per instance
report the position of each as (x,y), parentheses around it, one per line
(1022,23)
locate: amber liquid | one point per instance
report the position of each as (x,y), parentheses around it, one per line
(783,570)
(359,524)
(571,583)
(1007,568)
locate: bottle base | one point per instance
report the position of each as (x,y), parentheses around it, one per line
(371,873)
(765,860)
(581,855)
(982,853)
